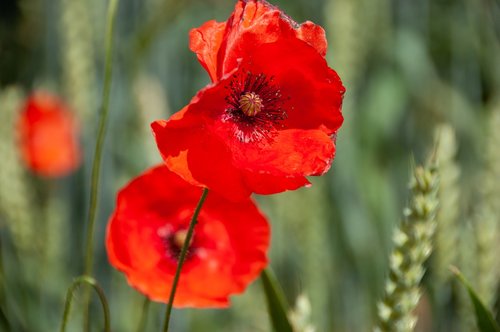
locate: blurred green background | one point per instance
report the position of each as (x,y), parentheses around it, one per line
(407,67)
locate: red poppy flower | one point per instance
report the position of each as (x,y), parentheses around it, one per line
(48,136)
(148,227)
(272,113)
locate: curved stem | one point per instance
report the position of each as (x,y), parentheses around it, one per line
(96,166)
(144,315)
(69,298)
(182,257)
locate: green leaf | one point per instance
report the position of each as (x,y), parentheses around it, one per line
(485,320)
(276,303)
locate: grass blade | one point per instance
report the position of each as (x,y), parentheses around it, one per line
(485,320)
(276,302)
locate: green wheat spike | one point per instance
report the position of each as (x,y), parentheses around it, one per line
(480,238)
(151,103)
(56,215)
(317,249)
(486,220)
(412,246)
(300,315)
(308,228)
(494,161)
(15,201)
(354,27)
(448,227)
(79,80)
(446,239)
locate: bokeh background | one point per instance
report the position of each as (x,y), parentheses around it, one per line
(408,67)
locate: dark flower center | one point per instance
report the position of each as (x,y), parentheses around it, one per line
(174,243)
(255,106)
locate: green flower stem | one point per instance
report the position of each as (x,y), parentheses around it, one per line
(144,315)
(69,298)
(182,257)
(96,166)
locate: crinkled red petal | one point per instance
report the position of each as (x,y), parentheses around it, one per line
(199,157)
(205,42)
(204,152)
(311,90)
(220,46)
(292,153)
(267,184)
(314,35)
(200,146)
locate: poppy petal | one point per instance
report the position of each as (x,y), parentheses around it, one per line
(139,239)
(48,136)
(312,91)
(205,41)
(270,117)
(219,46)
(266,184)
(314,35)
(199,157)
(293,153)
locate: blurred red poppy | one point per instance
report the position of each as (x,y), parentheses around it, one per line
(271,116)
(148,227)
(48,136)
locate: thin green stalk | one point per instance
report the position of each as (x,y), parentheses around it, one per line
(96,166)
(69,298)
(144,315)
(182,257)
(4,317)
